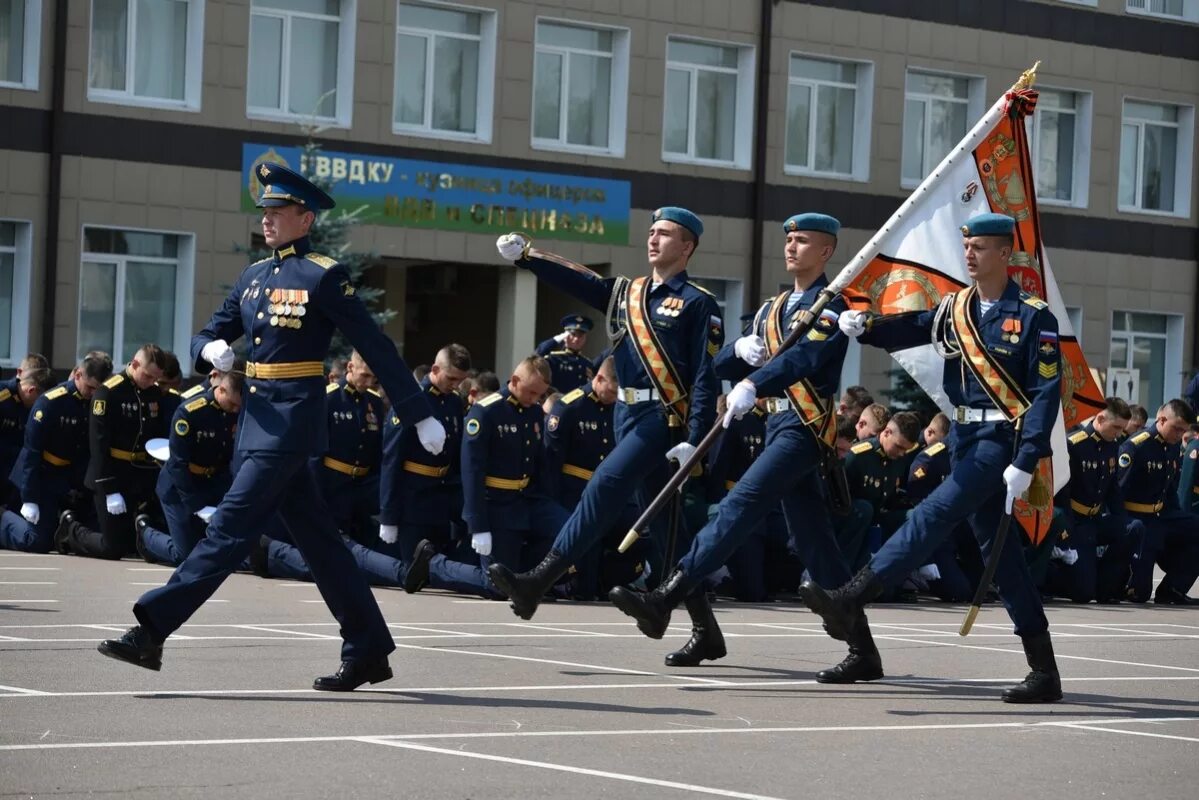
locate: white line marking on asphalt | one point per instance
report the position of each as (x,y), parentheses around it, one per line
(1091,727)
(4,600)
(438,631)
(110,628)
(22,692)
(322,636)
(145,583)
(537,627)
(28,583)
(1160,634)
(595,773)
(945,726)
(1021,652)
(150,569)
(295,585)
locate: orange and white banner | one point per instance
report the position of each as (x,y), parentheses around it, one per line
(916,258)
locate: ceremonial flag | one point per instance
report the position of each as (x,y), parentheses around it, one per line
(916,258)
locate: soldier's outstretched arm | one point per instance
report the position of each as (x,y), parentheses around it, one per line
(894,332)
(339,302)
(575,279)
(808,356)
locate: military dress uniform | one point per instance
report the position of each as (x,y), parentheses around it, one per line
(578,437)
(124,417)
(957,563)
(1188,480)
(348,472)
(51,464)
(569,369)
(13,416)
(879,480)
(1148,472)
(686,329)
(287,306)
(195,475)
(1096,525)
(503,488)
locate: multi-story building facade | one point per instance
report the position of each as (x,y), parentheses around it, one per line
(127,129)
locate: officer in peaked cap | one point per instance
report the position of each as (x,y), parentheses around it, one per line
(569,368)
(287,307)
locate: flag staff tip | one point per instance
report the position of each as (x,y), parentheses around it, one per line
(1028,77)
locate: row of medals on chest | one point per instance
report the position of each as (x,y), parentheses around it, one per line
(287,306)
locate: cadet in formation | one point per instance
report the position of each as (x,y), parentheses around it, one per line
(287,306)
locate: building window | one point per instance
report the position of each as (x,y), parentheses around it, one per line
(828,117)
(146,52)
(302,60)
(15,245)
(938,111)
(1060,135)
(1149,344)
(1156,140)
(445,66)
(20,41)
(580,85)
(708,116)
(135,287)
(1187,10)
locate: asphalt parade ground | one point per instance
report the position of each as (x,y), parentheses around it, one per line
(576,703)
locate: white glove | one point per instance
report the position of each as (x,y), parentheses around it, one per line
(511,246)
(680,452)
(431,433)
(929,572)
(31,512)
(1067,556)
(751,350)
(115,503)
(1017,481)
(219,354)
(560,338)
(739,401)
(852,323)
(205,513)
(481,543)
(389,533)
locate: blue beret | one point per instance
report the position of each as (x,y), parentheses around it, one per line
(281,186)
(813,222)
(989,225)
(681,216)
(577,322)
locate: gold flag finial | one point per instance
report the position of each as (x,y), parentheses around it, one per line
(1027,78)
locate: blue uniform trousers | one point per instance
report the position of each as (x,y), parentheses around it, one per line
(184,529)
(954,585)
(974,491)
(786,472)
(521,548)
(635,467)
(352,501)
(270,482)
(1169,539)
(17,533)
(1095,577)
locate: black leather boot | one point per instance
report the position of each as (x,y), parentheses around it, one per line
(418,571)
(1169,596)
(652,609)
(1043,684)
(139,527)
(525,589)
(138,647)
(863,662)
(62,534)
(840,608)
(352,674)
(706,642)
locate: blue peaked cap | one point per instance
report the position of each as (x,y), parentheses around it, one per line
(577,322)
(281,186)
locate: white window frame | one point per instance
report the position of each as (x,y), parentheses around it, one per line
(976,88)
(18,336)
(193,63)
(1080,189)
(485,95)
(31,49)
(743,129)
(1172,369)
(344,96)
(1143,8)
(1183,165)
(185,273)
(618,98)
(863,112)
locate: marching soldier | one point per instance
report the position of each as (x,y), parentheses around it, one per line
(660,319)
(1149,464)
(569,368)
(800,386)
(348,472)
(287,306)
(17,396)
(127,411)
(578,437)
(54,457)
(1002,367)
(1096,525)
(196,474)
